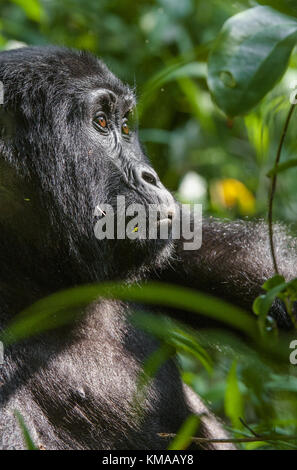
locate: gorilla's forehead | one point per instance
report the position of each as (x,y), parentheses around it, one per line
(78,71)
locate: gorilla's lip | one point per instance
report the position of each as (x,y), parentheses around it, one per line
(102,212)
(165,220)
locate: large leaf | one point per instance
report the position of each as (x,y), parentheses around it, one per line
(63,307)
(250,55)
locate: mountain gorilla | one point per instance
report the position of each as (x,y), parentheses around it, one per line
(67,147)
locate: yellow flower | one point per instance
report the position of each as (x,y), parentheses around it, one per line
(230,193)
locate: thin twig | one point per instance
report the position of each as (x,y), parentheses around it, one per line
(243,439)
(248,427)
(273,186)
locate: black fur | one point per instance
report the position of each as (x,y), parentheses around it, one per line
(75,385)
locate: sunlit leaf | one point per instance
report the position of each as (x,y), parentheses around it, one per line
(234,406)
(275,281)
(173,334)
(263,303)
(183,436)
(154,362)
(32,8)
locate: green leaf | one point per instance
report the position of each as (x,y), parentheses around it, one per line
(249,56)
(183,342)
(285,6)
(32,8)
(186,432)
(27,437)
(274,281)
(282,167)
(174,335)
(261,307)
(234,407)
(168,74)
(63,307)
(262,304)
(275,287)
(291,289)
(153,363)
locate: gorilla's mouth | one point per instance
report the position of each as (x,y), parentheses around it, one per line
(160,221)
(167,219)
(102,213)
(143,224)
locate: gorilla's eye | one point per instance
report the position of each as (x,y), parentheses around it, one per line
(101,121)
(125,128)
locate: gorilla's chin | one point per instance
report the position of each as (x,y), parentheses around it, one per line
(159,258)
(145,257)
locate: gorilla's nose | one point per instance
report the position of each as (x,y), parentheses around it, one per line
(146,176)
(147,179)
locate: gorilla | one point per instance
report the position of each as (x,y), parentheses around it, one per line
(69,145)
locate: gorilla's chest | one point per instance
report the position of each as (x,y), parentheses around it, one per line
(86,392)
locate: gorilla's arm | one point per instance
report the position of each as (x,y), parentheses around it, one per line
(233,262)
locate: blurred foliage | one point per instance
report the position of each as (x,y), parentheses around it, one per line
(238,380)
(161,47)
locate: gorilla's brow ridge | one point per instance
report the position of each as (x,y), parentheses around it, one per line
(128,100)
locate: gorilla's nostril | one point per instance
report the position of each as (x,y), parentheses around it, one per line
(149,178)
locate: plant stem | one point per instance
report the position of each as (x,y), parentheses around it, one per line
(243,439)
(273,186)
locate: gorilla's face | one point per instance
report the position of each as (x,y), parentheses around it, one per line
(69,134)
